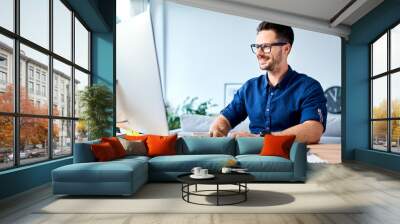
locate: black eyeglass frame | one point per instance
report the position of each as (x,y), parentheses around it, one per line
(263,47)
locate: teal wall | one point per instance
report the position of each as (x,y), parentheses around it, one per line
(356,83)
(103,52)
(24,178)
(100,17)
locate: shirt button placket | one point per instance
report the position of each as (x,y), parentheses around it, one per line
(268,114)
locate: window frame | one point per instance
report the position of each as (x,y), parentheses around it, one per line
(388,74)
(16,114)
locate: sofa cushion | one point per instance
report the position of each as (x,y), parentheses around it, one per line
(196,145)
(185,163)
(112,171)
(103,152)
(116,145)
(249,145)
(159,145)
(257,163)
(134,147)
(277,145)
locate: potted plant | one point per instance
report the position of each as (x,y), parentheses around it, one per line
(96,102)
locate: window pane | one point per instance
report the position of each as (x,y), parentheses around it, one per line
(379,135)
(62,89)
(35,21)
(33,139)
(379,97)
(34,79)
(81,81)
(6,74)
(379,55)
(395,94)
(395,47)
(81,45)
(81,131)
(395,129)
(7,14)
(62,29)
(6,142)
(62,138)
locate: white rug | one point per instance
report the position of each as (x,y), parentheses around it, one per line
(166,198)
(312,158)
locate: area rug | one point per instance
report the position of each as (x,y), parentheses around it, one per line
(166,198)
(312,158)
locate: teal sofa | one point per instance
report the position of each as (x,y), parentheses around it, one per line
(125,176)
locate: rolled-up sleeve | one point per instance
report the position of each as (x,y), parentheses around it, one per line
(313,106)
(236,112)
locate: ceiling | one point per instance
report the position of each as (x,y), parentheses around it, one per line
(326,16)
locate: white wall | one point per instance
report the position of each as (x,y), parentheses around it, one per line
(205,49)
(139,96)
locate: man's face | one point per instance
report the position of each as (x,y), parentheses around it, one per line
(270,61)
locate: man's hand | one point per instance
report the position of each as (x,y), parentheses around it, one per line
(220,127)
(236,134)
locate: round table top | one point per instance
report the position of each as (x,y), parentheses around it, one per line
(220,178)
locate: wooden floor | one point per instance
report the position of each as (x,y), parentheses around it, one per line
(379,190)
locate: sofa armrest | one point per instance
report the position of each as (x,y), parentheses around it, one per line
(298,155)
(83,152)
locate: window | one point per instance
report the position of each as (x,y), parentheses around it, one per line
(7,14)
(44,91)
(62,137)
(81,81)
(62,29)
(6,72)
(30,87)
(62,75)
(37,75)
(3,61)
(3,78)
(45,131)
(81,45)
(35,21)
(385,97)
(6,142)
(30,72)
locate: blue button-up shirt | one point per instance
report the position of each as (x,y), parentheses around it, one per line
(295,99)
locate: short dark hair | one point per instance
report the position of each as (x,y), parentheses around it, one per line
(283,32)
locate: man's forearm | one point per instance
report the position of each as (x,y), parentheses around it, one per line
(308,132)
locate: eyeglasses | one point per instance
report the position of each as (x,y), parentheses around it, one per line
(266,48)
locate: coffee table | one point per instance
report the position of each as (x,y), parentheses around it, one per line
(238,179)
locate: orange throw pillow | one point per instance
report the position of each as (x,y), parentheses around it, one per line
(116,145)
(277,145)
(103,152)
(136,137)
(158,145)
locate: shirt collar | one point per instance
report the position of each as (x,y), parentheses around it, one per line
(286,78)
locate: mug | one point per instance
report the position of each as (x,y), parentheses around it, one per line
(203,172)
(226,170)
(196,171)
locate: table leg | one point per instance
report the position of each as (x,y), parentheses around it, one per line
(245,193)
(217,194)
(196,188)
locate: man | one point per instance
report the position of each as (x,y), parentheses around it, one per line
(282,102)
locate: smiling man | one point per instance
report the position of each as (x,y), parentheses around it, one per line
(280,102)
